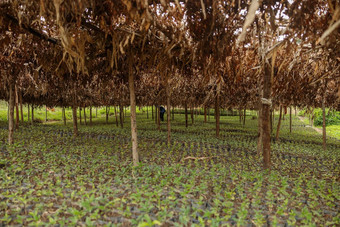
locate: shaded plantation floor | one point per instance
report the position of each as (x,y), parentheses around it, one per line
(48,177)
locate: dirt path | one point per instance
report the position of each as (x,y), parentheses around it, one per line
(315,128)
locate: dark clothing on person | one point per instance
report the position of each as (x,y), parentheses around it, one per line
(161,112)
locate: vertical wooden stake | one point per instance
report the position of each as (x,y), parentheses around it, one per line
(324,120)
(85,115)
(90,115)
(266,103)
(135,156)
(28,113)
(116,115)
(21,110)
(290,119)
(217,113)
(16,109)
(11,104)
(75,123)
(186,113)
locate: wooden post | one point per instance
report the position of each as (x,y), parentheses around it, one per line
(45,113)
(147,112)
(32,114)
(205,114)
(271,121)
(28,113)
(186,113)
(273,117)
(290,119)
(121,118)
(156,114)
(75,123)
(107,114)
(240,114)
(135,156)
(244,116)
(116,116)
(85,115)
(168,109)
(173,113)
(96,112)
(11,103)
(278,125)
(79,115)
(217,113)
(259,141)
(64,114)
(192,115)
(90,115)
(16,109)
(152,111)
(266,103)
(324,120)
(21,110)
(208,114)
(158,119)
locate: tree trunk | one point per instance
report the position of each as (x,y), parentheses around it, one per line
(75,123)
(186,113)
(278,125)
(96,112)
(11,103)
(324,120)
(295,111)
(85,115)
(217,114)
(266,103)
(205,114)
(116,116)
(290,119)
(133,120)
(121,118)
(21,110)
(16,109)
